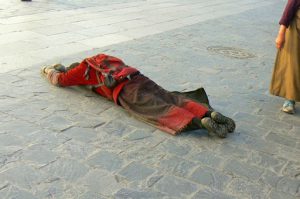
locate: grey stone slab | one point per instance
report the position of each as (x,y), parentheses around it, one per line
(55,122)
(172,147)
(252,130)
(177,165)
(154,179)
(208,158)
(292,154)
(47,138)
(14,192)
(136,172)
(89,194)
(85,121)
(22,176)
(294,131)
(19,127)
(56,29)
(231,150)
(66,169)
(105,40)
(84,135)
(249,142)
(116,128)
(101,182)
(212,194)
(53,187)
(11,140)
(279,195)
(292,169)
(289,185)
(138,135)
(39,156)
(281,139)
(292,119)
(106,160)
(267,161)
(247,189)
(12,48)
(249,118)
(144,153)
(176,187)
(275,124)
(211,178)
(28,113)
(137,194)
(270,178)
(75,150)
(9,154)
(243,169)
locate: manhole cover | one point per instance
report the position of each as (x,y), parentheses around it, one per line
(230,52)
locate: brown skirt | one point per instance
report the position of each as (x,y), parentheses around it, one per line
(165,110)
(286,74)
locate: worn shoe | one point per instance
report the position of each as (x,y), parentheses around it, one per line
(213,127)
(45,70)
(58,67)
(288,106)
(221,119)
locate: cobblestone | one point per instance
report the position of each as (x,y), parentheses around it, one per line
(127,193)
(211,178)
(105,160)
(212,194)
(248,189)
(177,166)
(136,171)
(175,187)
(243,169)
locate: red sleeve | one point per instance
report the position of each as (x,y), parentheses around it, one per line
(289,12)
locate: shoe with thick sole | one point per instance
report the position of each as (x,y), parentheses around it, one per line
(288,107)
(214,128)
(58,67)
(221,119)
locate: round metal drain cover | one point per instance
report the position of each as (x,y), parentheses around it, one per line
(230,52)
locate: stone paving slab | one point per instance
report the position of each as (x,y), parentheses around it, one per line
(42,30)
(71,143)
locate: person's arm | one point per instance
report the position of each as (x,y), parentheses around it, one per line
(287,16)
(289,12)
(280,39)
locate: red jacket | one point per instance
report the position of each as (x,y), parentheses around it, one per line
(105,73)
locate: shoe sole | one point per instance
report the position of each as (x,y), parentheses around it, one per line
(219,118)
(214,128)
(288,111)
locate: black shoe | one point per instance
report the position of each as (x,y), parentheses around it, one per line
(213,127)
(221,119)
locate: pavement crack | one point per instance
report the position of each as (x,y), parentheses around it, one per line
(4,186)
(97,125)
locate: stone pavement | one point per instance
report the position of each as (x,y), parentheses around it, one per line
(71,143)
